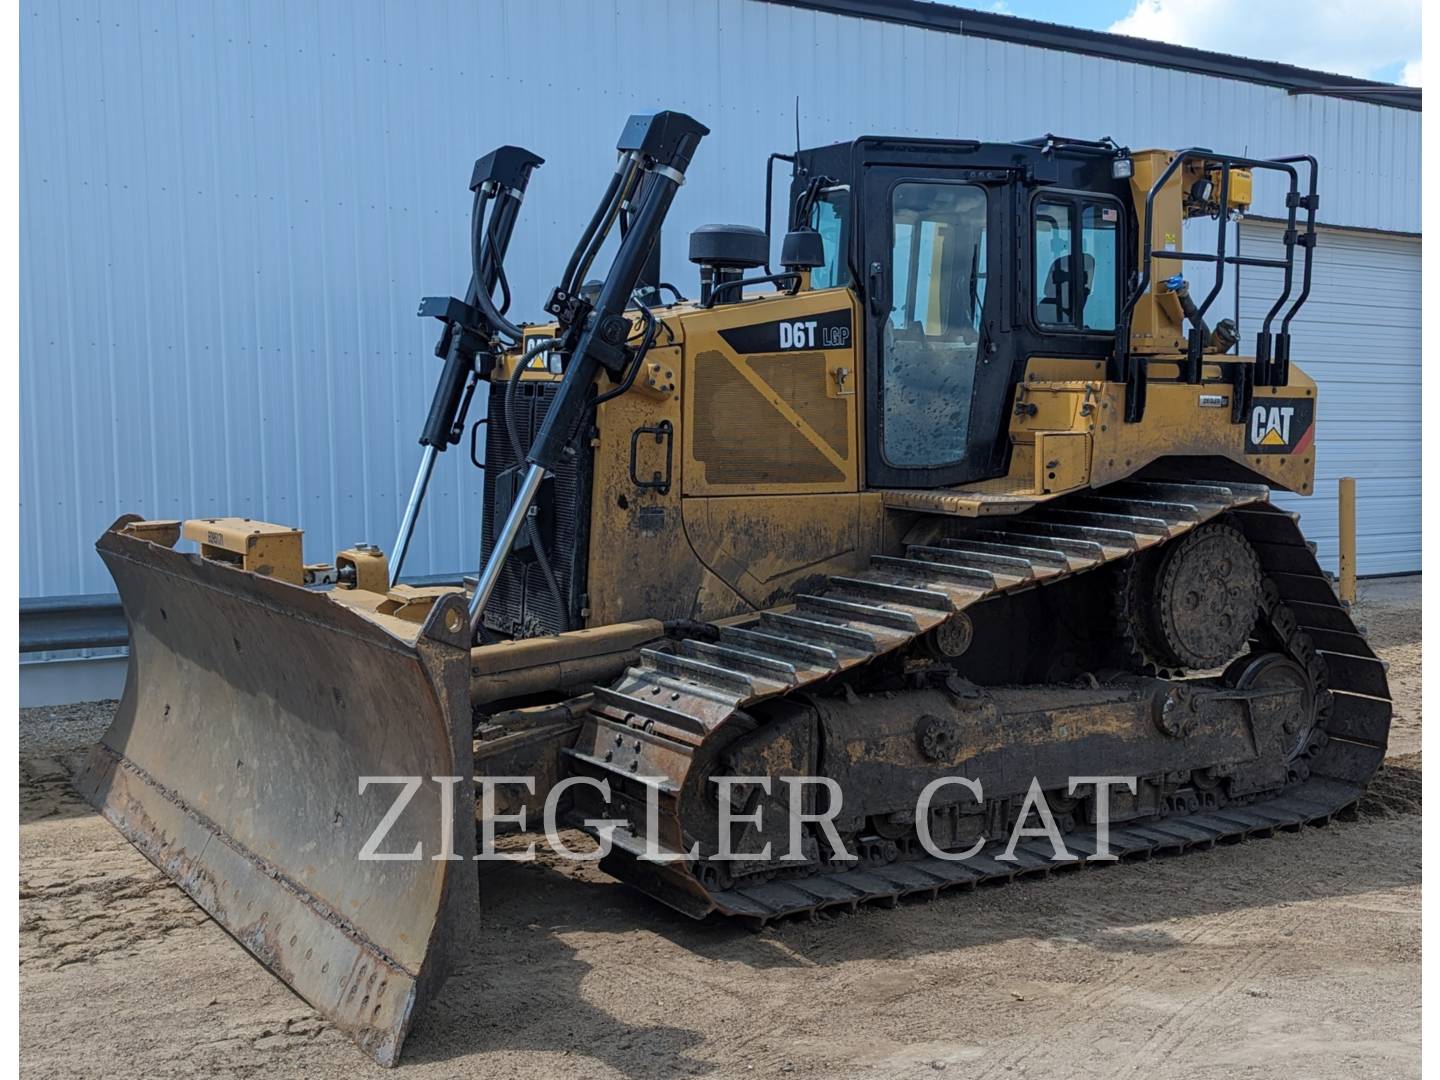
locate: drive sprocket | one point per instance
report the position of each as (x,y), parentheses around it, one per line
(1191,605)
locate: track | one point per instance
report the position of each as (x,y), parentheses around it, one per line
(661,714)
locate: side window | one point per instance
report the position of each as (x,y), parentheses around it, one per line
(931,338)
(1099,226)
(829,217)
(1054,305)
(1076,263)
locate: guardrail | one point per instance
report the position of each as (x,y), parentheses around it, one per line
(60,623)
(97,621)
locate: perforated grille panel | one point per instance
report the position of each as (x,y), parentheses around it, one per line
(522,604)
(742,438)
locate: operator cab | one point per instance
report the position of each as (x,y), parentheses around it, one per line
(969,259)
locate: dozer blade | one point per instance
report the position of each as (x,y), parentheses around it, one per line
(252,708)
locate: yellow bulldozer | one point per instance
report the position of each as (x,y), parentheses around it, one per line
(895,569)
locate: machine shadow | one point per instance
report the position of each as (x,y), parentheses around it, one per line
(1100,905)
(548,912)
(521,986)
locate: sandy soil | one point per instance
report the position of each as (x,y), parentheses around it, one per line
(1297,955)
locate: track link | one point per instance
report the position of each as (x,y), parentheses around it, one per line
(675,700)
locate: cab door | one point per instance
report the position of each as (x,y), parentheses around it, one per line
(937,380)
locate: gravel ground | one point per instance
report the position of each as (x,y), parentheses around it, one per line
(1297,955)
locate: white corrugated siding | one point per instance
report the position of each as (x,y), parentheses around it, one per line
(229,211)
(1358,337)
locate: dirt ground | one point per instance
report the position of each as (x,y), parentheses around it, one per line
(1297,955)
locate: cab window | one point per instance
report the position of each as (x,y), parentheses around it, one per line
(828,217)
(1076,263)
(1099,226)
(932,334)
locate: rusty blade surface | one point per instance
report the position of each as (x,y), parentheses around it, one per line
(251,710)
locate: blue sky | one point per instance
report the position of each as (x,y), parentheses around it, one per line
(1373,39)
(1091,14)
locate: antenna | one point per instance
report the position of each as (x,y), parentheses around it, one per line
(795,165)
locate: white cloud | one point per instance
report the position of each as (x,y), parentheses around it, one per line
(1411,75)
(1349,37)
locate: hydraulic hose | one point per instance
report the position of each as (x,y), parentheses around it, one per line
(479,294)
(624,185)
(666,142)
(622,169)
(500,277)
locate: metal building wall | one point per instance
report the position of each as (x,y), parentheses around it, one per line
(1360,335)
(229,210)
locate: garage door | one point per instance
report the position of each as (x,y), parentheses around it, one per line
(1358,336)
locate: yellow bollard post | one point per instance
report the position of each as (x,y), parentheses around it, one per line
(1347,539)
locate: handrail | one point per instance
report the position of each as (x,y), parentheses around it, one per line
(1131,370)
(1280,373)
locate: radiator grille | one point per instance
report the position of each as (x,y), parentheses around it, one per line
(521,605)
(740,438)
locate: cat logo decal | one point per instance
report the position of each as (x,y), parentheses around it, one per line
(1280,426)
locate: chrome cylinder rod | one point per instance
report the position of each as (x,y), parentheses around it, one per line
(490,575)
(412,512)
